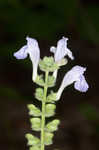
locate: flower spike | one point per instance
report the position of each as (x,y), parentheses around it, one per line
(39,120)
(33,50)
(74,75)
(61,51)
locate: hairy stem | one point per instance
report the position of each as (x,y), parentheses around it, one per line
(43,112)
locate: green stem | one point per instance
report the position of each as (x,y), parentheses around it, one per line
(43,112)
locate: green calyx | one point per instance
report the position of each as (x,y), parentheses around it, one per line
(40,80)
(48,138)
(33,110)
(35,124)
(39,94)
(32,140)
(52,126)
(62,62)
(48,64)
(51,98)
(50,82)
(50,110)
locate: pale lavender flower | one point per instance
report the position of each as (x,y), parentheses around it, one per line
(61,51)
(75,75)
(33,50)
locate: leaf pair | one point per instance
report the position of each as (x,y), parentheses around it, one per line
(50,82)
(51,98)
(35,142)
(50,127)
(49,110)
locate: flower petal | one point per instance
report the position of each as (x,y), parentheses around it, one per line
(33,50)
(53,49)
(81,85)
(34,53)
(22,53)
(62,50)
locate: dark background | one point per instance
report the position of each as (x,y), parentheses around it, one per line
(48,21)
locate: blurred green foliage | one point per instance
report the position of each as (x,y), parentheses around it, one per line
(89,112)
(46,19)
(38,18)
(8,93)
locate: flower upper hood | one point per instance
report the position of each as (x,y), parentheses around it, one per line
(61,50)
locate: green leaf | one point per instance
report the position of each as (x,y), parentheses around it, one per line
(48,138)
(39,94)
(32,140)
(40,80)
(51,81)
(48,64)
(33,110)
(50,110)
(36,124)
(53,125)
(51,97)
(34,148)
